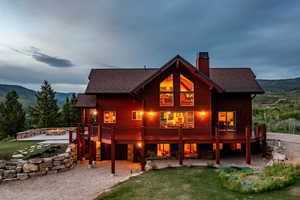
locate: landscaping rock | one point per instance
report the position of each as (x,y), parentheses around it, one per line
(279,157)
(52,172)
(22,176)
(7,174)
(18,156)
(59,157)
(57,162)
(35,160)
(19,169)
(46,165)
(30,168)
(2,164)
(10,167)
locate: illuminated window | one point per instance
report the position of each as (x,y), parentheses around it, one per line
(109,117)
(137,115)
(163,150)
(227,120)
(190,150)
(186,91)
(170,119)
(166,91)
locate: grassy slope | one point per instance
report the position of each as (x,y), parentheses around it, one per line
(8,148)
(187,183)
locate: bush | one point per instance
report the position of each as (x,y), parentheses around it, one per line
(248,181)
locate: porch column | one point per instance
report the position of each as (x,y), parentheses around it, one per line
(98,116)
(90,145)
(248,145)
(143,163)
(264,138)
(217,136)
(88,113)
(113,152)
(181,155)
(83,116)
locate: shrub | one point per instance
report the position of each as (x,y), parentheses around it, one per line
(248,181)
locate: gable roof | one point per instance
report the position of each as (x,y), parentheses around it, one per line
(236,80)
(86,101)
(127,80)
(178,59)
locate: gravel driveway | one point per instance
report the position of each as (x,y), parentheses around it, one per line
(79,183)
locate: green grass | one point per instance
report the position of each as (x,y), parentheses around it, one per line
(8,148)
(188,183)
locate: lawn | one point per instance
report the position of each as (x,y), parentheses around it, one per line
(8,148)
(188,183)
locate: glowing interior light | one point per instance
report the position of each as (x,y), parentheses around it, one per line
(139,144)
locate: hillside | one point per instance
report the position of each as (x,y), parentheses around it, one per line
(27,96)
(280,85)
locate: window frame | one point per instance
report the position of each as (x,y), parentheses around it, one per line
(109,111)
(136,111)
(235,121)
(186,92)
(178,126)
(167,92)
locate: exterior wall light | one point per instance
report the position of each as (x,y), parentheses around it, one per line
(202,113)
(139,144)
(95,112)
(151,114)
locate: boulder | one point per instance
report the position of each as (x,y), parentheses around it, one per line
(46,165)
(1,172)
(2,164)
(7,174)
(279,156)
(59,157)
(10,167)
(22,176)
(35,160)
(18,156)
(30,168)
(57,162)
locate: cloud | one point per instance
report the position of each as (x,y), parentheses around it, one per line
(37,55)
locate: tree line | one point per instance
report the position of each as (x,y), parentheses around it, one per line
(46,113)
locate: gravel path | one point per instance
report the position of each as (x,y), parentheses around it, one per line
(79,183)
(293,138)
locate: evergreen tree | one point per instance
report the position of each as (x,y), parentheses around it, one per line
(12,115)
(66,118)
(70,115)
(75,112)
(45,113)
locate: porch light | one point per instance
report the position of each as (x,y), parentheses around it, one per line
(141,112)
(151,113)
(139,144)
(202,113)
(95,112)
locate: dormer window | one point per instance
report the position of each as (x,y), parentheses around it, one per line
(166,90)
(186,91)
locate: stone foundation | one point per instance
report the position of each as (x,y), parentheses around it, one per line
(17,169)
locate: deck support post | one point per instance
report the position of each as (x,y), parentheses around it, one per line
(143,163)
(70,137)
(248,145)
(113,152)
(218,154)
(90,145)
(78,142)
(180,146)
(88,113)
(83,116)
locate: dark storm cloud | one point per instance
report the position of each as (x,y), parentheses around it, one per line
(52,61)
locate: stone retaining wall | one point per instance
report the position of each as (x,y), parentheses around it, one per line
(17,169)
(39,131)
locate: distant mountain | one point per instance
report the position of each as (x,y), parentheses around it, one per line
(280,85)
(27,96)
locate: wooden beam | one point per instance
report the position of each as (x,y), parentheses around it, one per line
(143,163)
(218,154)
(248,145)
(113,152)
(78,142)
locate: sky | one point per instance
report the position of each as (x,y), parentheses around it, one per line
(61,40)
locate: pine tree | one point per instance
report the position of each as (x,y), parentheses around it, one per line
(12,115)
(75,112)
(66,118)
(45,113)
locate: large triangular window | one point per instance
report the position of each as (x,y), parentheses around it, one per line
(166,90)
(186,91)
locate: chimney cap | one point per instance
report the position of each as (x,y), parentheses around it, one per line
(203,55)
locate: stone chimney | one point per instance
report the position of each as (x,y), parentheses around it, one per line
(202,63)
